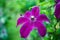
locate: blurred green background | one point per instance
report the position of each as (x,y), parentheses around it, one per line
(10,11)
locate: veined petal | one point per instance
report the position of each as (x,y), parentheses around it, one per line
(43,18)
(41,28)
(28,14)
(21,20)
(26,29)
(35,11)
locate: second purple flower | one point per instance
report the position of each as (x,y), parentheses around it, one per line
(57,11)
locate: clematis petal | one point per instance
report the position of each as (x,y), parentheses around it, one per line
(57,11)
(21,20)
(26,29)
(35,11)
(43,18)
(41,28)
(27,14)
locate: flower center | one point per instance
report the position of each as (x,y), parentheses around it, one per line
(32,18)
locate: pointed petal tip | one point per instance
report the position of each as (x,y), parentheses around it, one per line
(22,36)
(41,28)
(43,18)
(17,24)
(35,7)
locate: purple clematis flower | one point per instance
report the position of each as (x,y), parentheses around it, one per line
(32,19)
(57,10)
